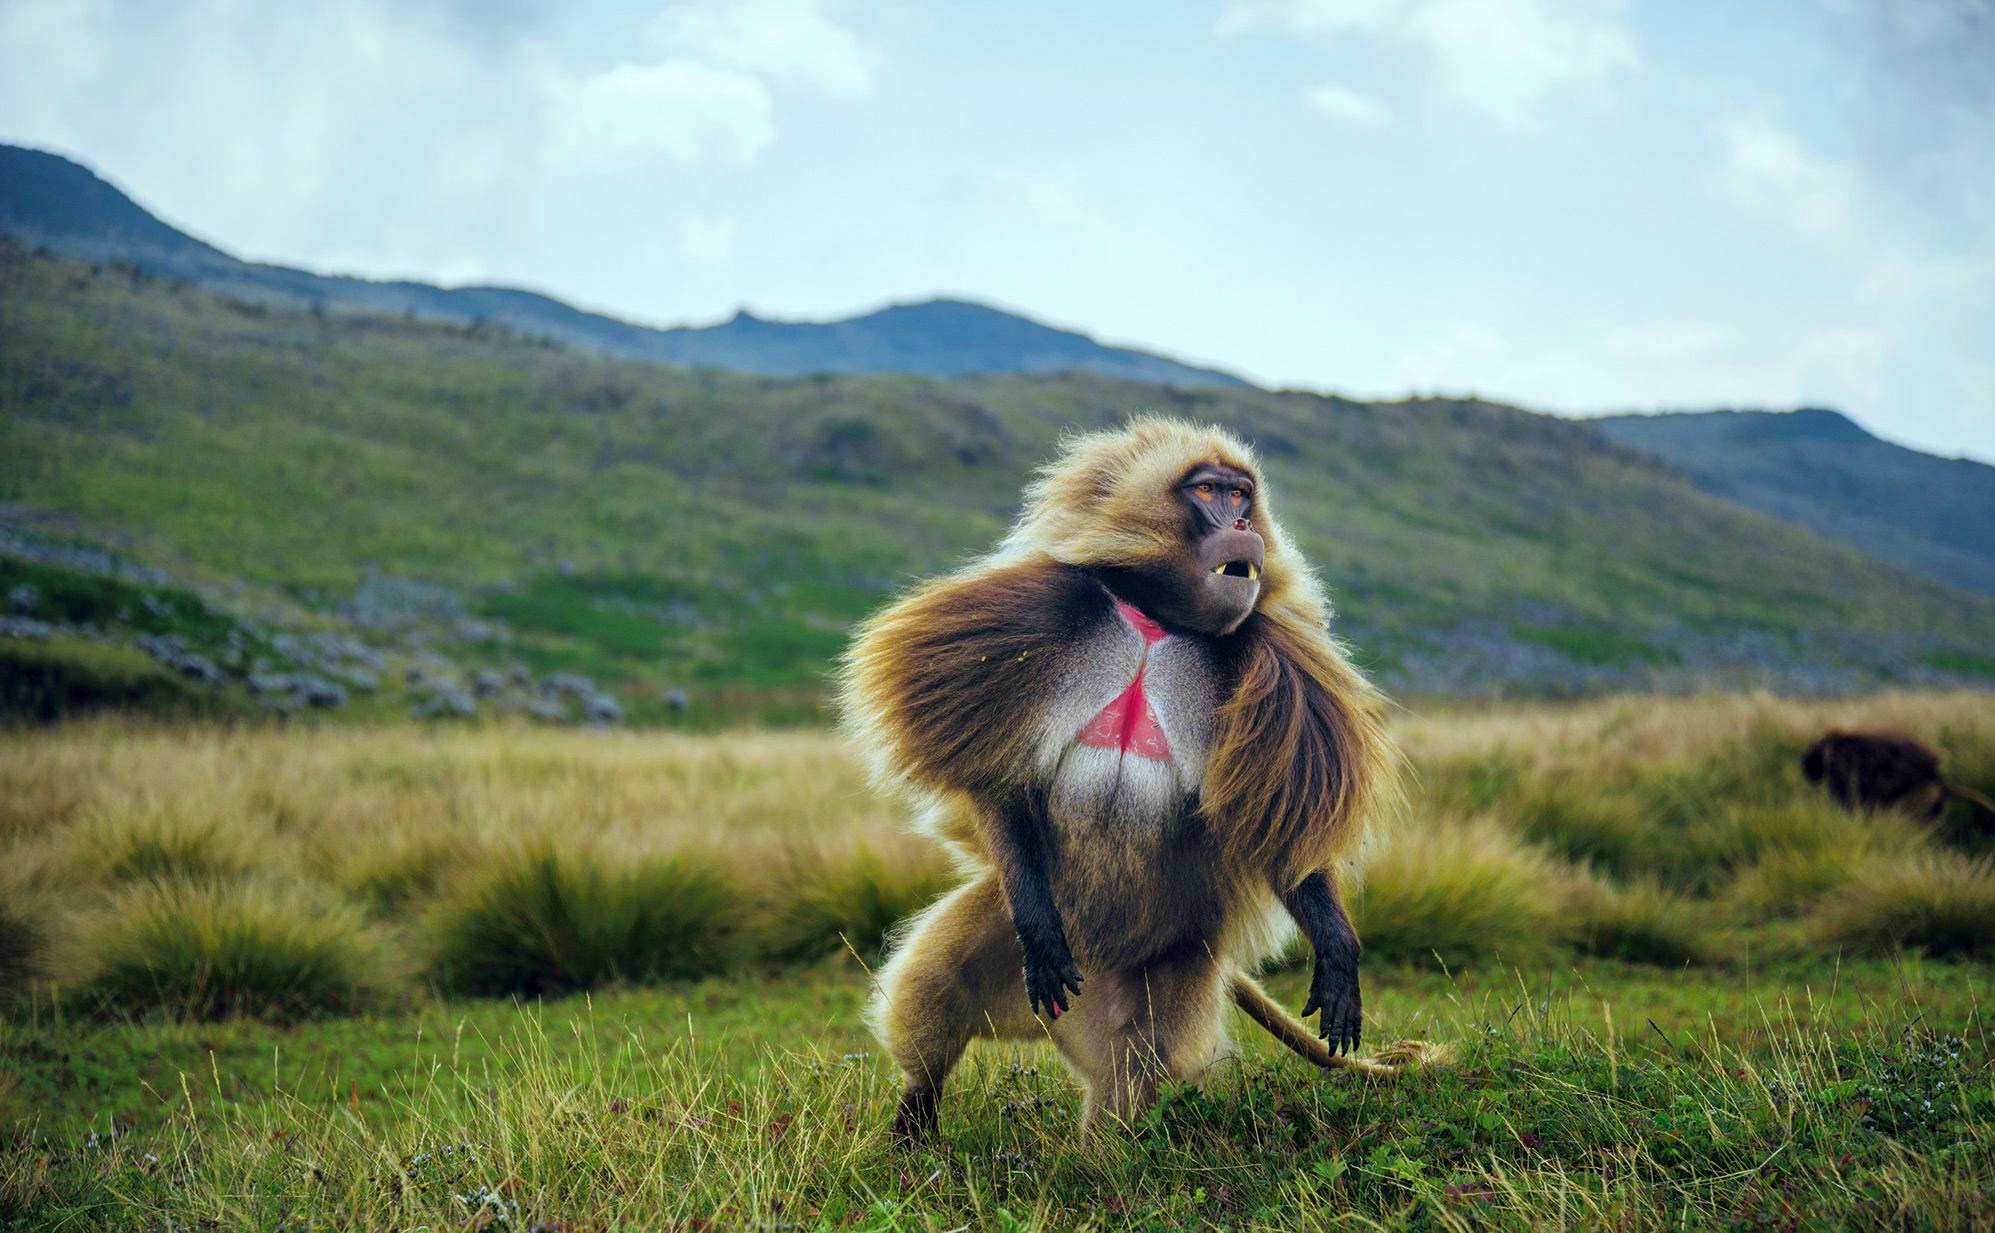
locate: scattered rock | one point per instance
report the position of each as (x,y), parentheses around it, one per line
(295,690)
(444,701)
(545,710)
(570,683)
(171,651)
(602,710)
(26,627)
(387,602)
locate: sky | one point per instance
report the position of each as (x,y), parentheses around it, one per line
(1577,206)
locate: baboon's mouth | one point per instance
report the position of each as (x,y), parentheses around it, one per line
(1237,569)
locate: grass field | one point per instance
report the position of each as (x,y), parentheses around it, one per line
(504,978)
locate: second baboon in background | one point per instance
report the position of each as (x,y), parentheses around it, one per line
(1885,770)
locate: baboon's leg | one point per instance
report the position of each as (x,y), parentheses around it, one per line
(955,974)
(1134,1028)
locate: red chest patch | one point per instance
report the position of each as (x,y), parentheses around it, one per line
(1128,723)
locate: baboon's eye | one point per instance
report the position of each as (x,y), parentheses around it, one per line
(1204,491)
(1238,495)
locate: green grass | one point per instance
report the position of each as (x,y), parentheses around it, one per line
(241,958)
(1593,644)
(1596,1094)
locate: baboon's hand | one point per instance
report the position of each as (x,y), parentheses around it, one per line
(1051,980)
(1333,989)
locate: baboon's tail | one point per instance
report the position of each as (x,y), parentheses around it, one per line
(1971,797)
(1294,1033)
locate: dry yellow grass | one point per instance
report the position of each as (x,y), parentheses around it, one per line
(1530,827)
(314,798)
(1617,733)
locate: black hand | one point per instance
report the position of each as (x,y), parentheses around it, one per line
(1051,980)
(1333,989)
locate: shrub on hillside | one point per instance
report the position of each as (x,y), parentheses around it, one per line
(539,922)
(1936,902)
(1455,895)
(211,952)
(857,897)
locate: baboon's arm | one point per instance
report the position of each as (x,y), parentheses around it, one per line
(1019,840)
(1333,986)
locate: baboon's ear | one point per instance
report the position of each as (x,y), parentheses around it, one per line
(1811,762)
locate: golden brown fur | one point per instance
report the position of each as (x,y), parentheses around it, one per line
(943,690)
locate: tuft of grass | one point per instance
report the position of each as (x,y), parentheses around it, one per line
(859,896)
(165,852)
(24,937)
(1460,894)
(1784,859)
(1789,883)
(1736,836)
(391,877)
(1639,922)
(1587,827)
(538,922)
(1936,902)
(206,952)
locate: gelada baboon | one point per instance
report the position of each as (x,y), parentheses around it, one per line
(1884,770)
(1131,726)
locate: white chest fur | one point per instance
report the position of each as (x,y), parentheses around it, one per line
(1126,740)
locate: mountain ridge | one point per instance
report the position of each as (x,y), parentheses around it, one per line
(56,202)
(1817,468)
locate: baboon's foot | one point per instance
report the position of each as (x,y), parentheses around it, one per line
(915,1121)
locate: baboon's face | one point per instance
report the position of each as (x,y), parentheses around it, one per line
(1213,580)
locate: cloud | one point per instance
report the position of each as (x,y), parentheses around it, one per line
(431,139)
(1671,341)
(1898,279)
(1674,363)
(1341,104)
(710,94)
(1770,170)
(679,109)
(1506,58)
(785,40)
(704,239)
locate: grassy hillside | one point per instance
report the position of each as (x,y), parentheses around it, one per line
(464,496)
